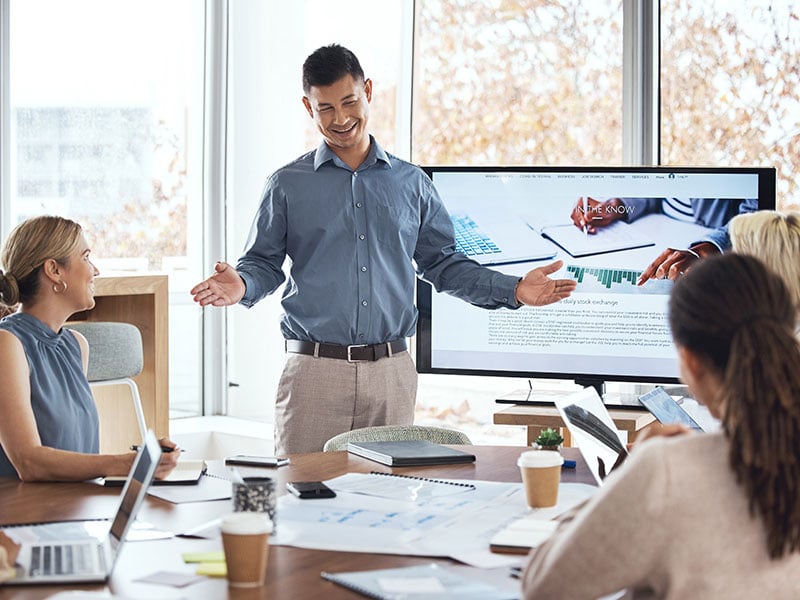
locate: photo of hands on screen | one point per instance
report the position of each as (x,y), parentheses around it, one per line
(624,236)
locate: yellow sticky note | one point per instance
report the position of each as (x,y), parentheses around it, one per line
(203,557)
(212,569)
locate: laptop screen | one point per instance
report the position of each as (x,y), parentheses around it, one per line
(139,479)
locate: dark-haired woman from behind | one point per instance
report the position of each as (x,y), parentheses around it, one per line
(702,515)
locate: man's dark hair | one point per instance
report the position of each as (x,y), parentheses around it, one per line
(328,64)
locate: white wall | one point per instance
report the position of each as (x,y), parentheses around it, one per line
(265,114)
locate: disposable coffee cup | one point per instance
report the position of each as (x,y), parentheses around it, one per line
(541,474)
(245,539)
(255,494)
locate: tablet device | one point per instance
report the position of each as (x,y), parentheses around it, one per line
(666,410)
(593,431)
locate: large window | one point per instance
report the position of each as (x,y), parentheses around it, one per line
(105,113)
(730,87)
(509,83)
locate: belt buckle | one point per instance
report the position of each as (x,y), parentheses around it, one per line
(350,356)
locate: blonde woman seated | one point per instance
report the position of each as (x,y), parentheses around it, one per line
(711,515)
(773,237)
(48,419)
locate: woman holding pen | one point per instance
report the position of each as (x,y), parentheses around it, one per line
(48,420)
(711,515)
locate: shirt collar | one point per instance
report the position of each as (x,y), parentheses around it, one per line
(376,153)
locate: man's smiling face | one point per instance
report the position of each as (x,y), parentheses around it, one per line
(341,113)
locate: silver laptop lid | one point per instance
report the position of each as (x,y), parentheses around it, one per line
(97,550)
(139,479)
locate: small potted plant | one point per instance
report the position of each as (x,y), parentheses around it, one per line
(548,439)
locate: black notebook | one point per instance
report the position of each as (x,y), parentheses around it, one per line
(188,472)
(409,453)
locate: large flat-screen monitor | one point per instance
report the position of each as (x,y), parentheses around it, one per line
(611,329)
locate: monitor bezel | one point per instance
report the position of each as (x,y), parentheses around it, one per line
(424,292)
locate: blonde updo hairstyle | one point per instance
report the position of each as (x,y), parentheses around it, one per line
(26,249)
(774,237)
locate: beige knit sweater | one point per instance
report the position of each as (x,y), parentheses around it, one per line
(672,523)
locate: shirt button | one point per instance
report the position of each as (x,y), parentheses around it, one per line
(363,269)
(361,237)
(358,204)
(363,303)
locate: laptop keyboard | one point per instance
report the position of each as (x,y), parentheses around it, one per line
(470,240)
(66,559)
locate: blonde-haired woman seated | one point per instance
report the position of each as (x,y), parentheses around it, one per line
(774,237)
(48,419)
(714,515)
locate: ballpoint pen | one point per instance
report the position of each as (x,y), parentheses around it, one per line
(585,216)
(136,447)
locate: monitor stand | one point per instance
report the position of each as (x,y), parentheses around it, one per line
(625,399)
(531,396)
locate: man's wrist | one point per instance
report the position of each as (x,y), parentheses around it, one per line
(516,288)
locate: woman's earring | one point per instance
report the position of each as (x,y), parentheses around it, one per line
(58,291)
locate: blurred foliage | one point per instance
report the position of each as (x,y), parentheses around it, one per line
(150,227)
(518,82)
(730,87)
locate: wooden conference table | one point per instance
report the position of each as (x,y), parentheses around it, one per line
(292,573)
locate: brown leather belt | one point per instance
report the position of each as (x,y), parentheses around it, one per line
(354,353)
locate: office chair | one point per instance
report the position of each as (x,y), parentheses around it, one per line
(395,433)
(115,357)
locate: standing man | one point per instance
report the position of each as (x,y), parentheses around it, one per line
(358,224)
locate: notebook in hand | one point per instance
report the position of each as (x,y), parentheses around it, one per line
(409,453)
(74,551)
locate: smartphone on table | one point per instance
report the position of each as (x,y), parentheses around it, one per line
(250,460)
(308,490)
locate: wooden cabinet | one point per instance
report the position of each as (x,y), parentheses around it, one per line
(142,300)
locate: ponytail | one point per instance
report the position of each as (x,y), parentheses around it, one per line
(739,315)
(762,422)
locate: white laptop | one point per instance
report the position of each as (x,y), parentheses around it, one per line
(498,237)
(83,551)
(593,431)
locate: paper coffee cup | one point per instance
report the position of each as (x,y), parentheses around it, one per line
(541,474)
(245,539)
(256,494)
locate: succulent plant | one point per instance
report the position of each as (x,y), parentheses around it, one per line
(548,438)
